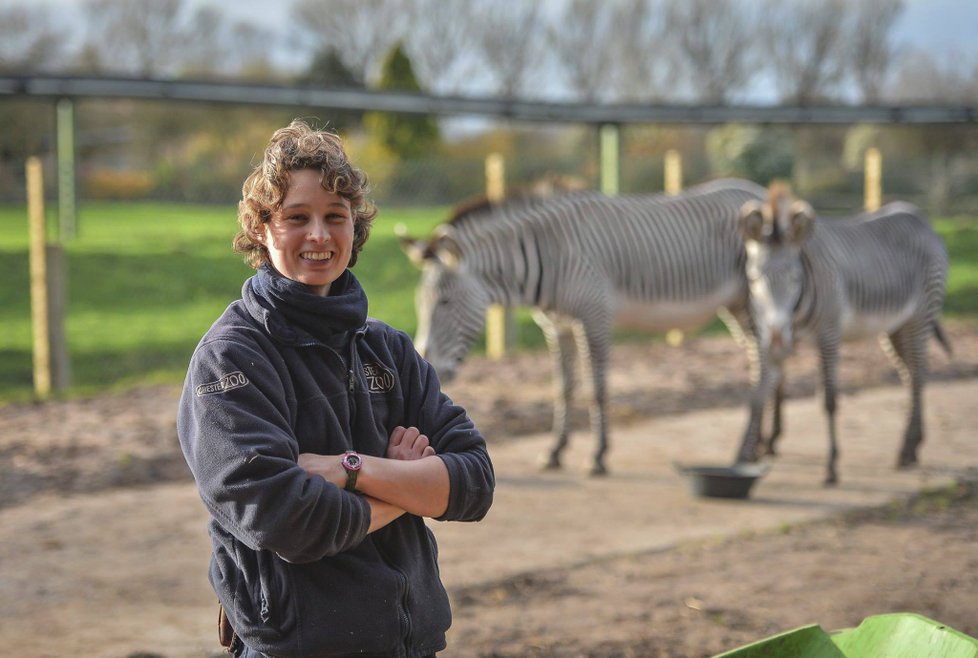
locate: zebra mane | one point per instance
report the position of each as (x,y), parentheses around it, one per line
(475,210)
(779,195)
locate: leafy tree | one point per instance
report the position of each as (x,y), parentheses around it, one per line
(405,135)
(327,70)
(758,153)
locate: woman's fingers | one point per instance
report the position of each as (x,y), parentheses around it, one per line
(408,443)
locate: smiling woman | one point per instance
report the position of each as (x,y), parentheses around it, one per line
(310,428)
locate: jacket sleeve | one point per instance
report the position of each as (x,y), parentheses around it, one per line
(452,434)
(234,430)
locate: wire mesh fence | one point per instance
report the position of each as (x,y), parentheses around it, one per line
(130,150)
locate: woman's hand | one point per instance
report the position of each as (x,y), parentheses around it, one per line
(408,443)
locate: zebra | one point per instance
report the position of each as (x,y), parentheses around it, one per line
(878,273)
(585,262)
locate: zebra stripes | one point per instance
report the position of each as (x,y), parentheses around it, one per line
(586,263)
(881,273)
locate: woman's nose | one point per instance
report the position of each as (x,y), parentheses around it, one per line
(318,232)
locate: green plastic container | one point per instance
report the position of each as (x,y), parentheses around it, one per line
(898,635)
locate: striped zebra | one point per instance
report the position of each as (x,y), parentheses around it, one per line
(879,274)
(585,263)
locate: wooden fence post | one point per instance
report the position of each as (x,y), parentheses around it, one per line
(673,172)
(873,179)
(50,354)
(39,274)
(609,154)
(498,318)
(673,186)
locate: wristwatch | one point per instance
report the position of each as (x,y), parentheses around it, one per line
(352,463)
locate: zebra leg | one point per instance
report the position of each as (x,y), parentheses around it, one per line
(910,345)
(594,353)
(776,422)
(563,352)
(770,375)
(828,349)
(741,326)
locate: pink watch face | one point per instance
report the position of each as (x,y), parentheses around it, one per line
(352,461)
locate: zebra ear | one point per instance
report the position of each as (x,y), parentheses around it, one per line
(802,219)
(445,247)
(416,250)
(751,221)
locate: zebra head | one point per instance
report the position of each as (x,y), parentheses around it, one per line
(773,232)
(450,301)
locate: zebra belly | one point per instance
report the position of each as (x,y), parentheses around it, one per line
(860,324)
(662,315)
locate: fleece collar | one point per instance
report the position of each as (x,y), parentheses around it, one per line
(294,315)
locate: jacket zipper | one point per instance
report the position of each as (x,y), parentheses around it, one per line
(351,377)
(405,619)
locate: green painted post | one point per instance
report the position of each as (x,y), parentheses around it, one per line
(609,155)
(67,226)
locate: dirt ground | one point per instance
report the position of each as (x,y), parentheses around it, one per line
(103,551)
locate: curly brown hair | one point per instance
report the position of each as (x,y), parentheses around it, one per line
(299,146)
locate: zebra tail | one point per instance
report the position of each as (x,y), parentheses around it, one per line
(941,337)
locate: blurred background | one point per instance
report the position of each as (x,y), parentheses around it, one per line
(148,263)
(698,52)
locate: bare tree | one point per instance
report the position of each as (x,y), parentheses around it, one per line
(804,42)
(361,32)
(924,78)
(509,44)
(144,37)
(30,39)
(645,56)
(873,50)
(715,45)
(584,36)
(168,37)
(438,41)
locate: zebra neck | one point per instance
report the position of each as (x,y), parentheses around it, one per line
(508,266)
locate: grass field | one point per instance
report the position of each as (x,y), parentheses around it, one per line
(146,280)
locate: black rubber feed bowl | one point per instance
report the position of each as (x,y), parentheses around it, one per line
(722,481)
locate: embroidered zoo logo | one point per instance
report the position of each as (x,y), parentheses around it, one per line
(379,378)
(225,383)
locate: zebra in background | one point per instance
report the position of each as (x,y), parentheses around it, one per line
(880,273)
(585,262)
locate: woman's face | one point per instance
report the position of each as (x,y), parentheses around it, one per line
(310,238)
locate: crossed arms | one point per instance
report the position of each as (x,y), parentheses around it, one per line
(409,478)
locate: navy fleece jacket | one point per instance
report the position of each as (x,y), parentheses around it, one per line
(282,372)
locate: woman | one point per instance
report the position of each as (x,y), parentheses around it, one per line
(318,437)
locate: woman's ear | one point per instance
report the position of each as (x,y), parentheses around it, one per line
(257,232)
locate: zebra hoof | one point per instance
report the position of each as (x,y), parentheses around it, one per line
(830,480)
(551,464)
(906,462)
(599,470)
